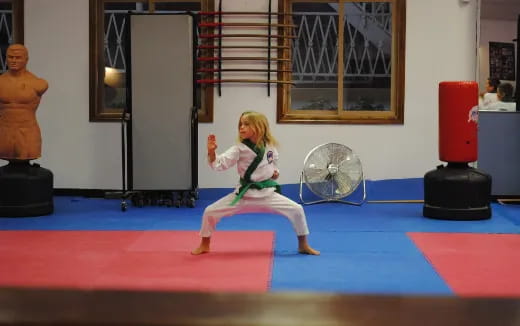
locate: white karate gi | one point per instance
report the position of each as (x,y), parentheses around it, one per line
(255,200)
(487,100)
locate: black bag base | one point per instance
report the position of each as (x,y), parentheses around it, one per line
(457,192)
(38,209)
(25,190)
(461,214)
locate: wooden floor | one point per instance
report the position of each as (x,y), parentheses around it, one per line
(64,307)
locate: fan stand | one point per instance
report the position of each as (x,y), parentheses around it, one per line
(333,200)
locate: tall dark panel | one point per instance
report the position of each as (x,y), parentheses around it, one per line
(162,101)
(517,88)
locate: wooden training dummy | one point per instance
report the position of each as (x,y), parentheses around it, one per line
(20,95)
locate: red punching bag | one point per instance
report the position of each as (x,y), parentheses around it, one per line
(458,118)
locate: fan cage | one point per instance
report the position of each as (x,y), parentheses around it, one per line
(332,171)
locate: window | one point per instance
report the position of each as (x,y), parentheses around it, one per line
(107,59)
(11,27)
(347,62)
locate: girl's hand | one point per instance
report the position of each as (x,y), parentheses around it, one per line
(275,175)
(212,146)
(212,143)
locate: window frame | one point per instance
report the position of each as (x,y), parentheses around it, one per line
(395,116)
(18,21)
(97,111)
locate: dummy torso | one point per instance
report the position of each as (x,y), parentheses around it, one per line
(20,94)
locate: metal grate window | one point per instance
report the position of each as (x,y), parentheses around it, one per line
(343,56)
(6,32)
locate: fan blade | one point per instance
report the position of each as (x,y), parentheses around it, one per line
(316,174)
(344,184)
(318,159)
(351,167)
(339,153)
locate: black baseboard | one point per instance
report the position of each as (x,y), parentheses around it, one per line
(98,193)
(116,193)
(506,197)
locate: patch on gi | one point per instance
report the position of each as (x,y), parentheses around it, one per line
(473,114)
(270,157)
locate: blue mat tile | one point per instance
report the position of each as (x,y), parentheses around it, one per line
(509,212)
(356,262)
(399,217)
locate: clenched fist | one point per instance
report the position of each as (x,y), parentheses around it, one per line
(212,146)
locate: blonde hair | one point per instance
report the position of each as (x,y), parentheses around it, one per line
(260,125)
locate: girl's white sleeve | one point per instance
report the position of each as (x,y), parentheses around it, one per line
(226,160)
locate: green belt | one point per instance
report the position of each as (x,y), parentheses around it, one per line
(245,186)
(246,182)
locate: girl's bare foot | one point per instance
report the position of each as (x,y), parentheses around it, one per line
(202,248)
(304,248)
(199,250)
(308,251)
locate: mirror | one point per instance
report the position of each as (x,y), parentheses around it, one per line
(497,52)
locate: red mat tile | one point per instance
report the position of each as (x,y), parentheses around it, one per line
(474,264)
(148,260)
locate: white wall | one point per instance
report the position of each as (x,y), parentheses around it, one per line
(79,153)
(440,45)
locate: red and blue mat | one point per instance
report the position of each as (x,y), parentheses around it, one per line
(372,249)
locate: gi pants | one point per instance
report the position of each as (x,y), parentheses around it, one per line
(273,203)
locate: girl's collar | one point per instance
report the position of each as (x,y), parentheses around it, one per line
(252,145)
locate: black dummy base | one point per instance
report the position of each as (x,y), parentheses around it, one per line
(457,192)
(25,190)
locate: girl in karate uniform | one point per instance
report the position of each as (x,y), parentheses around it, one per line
(255,157)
